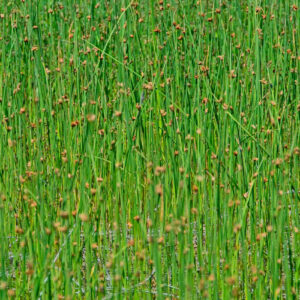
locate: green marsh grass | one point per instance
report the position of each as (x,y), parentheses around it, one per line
(149,149)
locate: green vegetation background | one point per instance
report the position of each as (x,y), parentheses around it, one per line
(149,149)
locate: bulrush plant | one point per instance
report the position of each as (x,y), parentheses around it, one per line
(150,149)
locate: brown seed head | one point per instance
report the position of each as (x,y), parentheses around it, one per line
(91,118)
(83,217)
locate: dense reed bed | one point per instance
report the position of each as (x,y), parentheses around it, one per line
(149,149)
